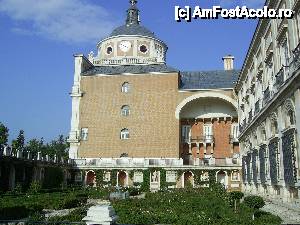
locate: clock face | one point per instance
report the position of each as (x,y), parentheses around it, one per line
(125,46)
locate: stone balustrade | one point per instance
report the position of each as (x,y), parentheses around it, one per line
(25,155)
(153,162)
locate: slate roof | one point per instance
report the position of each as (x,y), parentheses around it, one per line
(189,80)
(209,79)
(132,29)
(136,69)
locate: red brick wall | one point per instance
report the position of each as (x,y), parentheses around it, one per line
(221,131)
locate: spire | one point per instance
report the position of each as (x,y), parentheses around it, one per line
(132,13)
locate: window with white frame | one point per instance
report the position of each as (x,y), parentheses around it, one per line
(186,133)
(124,134)
(235,130)
(235,176)
(208,130)
(125,110)
(125,87)
(84,134)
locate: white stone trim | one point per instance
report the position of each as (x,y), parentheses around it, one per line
(204,95)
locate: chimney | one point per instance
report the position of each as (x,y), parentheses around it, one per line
(228,62)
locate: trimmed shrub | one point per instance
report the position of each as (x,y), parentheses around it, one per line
(254,202)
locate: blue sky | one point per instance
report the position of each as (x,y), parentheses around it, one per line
(39,38)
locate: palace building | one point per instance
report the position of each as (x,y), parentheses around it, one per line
(131,111)
(269,107)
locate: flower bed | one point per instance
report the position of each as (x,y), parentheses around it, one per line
(193,206)
(28,204)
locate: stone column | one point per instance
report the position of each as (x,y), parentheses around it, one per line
(297,115)
(280,120)
(12,177)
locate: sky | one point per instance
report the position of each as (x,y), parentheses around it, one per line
(39,38)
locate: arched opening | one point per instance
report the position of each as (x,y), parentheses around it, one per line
(205,124)
(122,179)
(90,178)
(188,179)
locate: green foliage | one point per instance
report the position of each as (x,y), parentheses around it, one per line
(18,144)
(53,177)
(34,146)
(3,135)
(236,195)
(185,206)
(75,216)
(32,204)
(34,187)
(254,202)
(18,189)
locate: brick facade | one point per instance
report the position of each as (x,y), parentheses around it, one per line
(154,129)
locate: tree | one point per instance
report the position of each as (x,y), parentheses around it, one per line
(3,136)
(254,202)
(234,196)
(34,146)
(59,147)
(18,144)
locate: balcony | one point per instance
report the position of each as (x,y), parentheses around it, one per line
(257,107)
(267,95)
(296,59)
(201,139)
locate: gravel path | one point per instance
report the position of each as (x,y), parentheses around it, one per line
(290,214)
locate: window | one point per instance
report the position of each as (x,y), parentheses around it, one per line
(125,111)
(185,133)
(84,134)
(291,117)
(208,132)
(263,135)
(124,134)
(109,50)
(235,130)
(143,48)
(274,127)
(125,87)
(285,53)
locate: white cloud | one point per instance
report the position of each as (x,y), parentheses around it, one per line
(249,3)
(74,21)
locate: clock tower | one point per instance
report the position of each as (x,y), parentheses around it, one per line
(130,44)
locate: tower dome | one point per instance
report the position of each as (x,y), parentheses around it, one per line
(131,44)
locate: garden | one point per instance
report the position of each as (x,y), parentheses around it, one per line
(209,206)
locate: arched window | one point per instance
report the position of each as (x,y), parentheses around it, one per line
(125,87)
(125,110)
(124,134)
